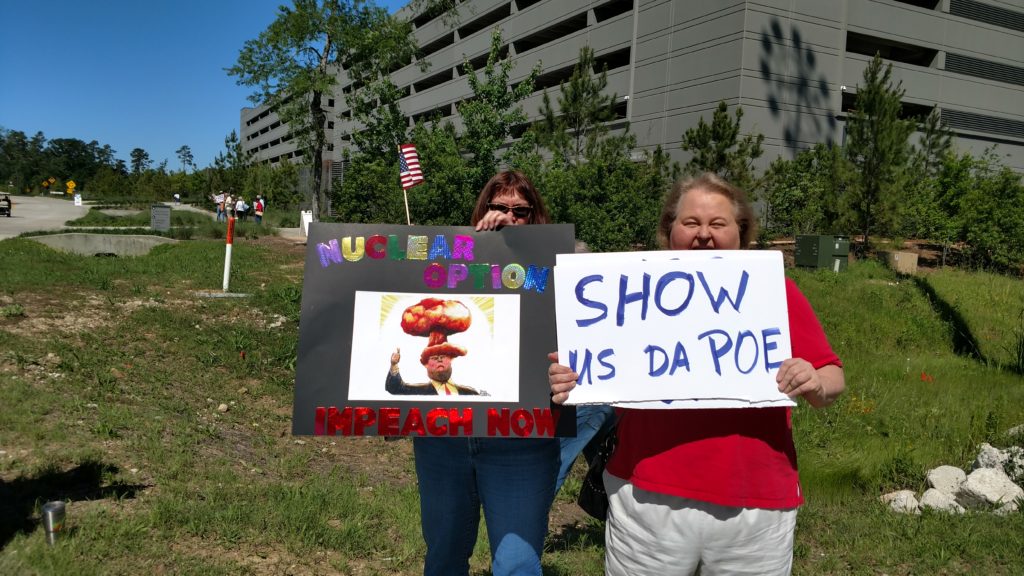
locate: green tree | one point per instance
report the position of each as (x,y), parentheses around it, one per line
(185,156)
(877,145)
(612,198)
(229,166)
(595,179)
(377,45)
(987,200)
(935,143)
(140,160)
(583,108)
(718,148)
(492,112)
(21,159)
(277,184)
(456,166)
(292,64)
(801,196)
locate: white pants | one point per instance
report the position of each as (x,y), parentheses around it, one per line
(650,534)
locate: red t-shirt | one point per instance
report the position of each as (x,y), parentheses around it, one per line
(741,457)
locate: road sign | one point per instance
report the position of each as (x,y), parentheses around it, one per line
(71,184)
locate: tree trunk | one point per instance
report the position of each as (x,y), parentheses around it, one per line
(317,114)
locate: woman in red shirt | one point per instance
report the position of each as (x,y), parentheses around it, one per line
(714,488)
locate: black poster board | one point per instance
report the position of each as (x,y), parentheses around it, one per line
(485,300)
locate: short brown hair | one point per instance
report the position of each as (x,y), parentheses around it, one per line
(712,183)
(516,182)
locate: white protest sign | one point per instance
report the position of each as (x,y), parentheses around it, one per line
(673,329)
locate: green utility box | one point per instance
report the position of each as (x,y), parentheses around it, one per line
(830,252)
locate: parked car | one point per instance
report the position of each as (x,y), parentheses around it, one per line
(5,206)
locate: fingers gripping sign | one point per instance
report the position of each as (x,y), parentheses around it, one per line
(561,379)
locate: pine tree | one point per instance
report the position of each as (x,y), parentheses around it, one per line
(583,108)
(877,146)
(718,148)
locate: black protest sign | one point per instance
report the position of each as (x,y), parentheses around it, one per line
(428,331)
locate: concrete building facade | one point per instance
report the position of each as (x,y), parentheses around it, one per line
(793,65)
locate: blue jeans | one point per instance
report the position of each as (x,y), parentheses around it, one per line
(514,480)
(592,423)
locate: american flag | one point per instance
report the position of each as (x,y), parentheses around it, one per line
(409,166)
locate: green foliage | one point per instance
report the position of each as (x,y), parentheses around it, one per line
(595,180)
(576,125)
(934,145)
(456,165)
(375,46)
(877,145)
(292,65)
(801,196)
(12,310)
(991,217)
(140,160)
(185,156)
(492,112)
(718,148)
(612,200)
(278,185)
(228,172)
(369,192)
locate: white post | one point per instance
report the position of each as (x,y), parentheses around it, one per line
(227,253)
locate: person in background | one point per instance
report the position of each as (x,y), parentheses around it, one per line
(714,489)
(512,479)
(241,209)
(258,209)
(218,201)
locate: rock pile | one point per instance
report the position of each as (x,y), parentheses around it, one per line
(994,483)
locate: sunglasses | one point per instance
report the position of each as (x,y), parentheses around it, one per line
(517,211)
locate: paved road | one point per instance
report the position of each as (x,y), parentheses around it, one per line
(31,213)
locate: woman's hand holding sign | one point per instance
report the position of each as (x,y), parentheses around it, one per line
(561,378)
(820,387)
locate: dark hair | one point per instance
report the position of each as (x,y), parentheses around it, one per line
(515,182)
(712,183)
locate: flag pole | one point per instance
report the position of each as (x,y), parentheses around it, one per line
(405,194)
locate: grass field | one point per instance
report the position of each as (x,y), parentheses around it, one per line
(112,372)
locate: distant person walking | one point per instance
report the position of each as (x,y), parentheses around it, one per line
(258,209)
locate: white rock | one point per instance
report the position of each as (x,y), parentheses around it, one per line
(942,501)
(987,486)
(902,501)
(989,457)
(946,478)
(1014,465)
(222,408)
(1015,431)
(1008,508)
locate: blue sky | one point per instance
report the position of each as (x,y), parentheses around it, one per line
(129,73)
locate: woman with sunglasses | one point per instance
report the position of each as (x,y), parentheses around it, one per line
(512,479)
(508,199)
